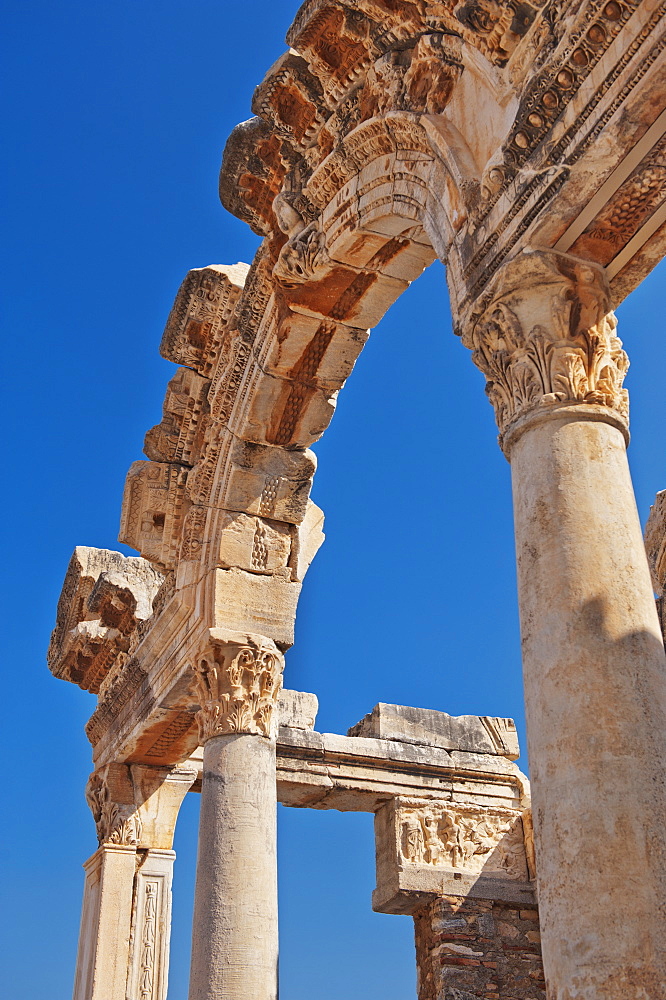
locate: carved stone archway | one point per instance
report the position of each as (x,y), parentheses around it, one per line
(523,145)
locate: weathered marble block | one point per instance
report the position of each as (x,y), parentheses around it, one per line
(427,727)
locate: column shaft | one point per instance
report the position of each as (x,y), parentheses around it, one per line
(595,690)
(235,936)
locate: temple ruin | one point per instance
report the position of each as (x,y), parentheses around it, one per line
(522,143)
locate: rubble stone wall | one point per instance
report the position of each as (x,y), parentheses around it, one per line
(474,949)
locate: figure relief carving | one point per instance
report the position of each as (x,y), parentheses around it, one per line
(303,257)
(237,687)
(116,823)
(547,338)
(463,838)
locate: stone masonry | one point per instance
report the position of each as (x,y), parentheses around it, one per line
(522,144)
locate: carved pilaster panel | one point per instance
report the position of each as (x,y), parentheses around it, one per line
(237,684)
(544,337)
(151,924)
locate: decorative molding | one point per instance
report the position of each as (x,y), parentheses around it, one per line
(545,337)
(151,888)
(238,684)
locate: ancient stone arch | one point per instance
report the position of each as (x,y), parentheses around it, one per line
(523,145)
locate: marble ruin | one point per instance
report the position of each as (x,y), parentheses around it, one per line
(523,143)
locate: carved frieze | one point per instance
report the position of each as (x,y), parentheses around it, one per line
(237,684)
(544,336)
(429,847)
(462,837)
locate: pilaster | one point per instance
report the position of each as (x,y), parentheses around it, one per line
(126,918)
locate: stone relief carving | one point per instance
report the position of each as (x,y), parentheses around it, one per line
(548,337)
(237,685)
(116,823)
(462,837)
(496,28)
(418,78)
(303,257)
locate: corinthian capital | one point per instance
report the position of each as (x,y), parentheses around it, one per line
(544,337)
(238,680)
(110,797)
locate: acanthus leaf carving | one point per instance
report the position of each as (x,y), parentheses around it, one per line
(545,336)
(116,822)
(237,686)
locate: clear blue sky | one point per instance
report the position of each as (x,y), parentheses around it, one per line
(117,113)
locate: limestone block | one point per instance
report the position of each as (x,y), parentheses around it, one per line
(104,597)
(398,257)
(655,542)
(154,505)
(247,602)
(309,536)
(310,350)
(279,411)
(297,709)
(427,847)
(197,327)
(179,436)
(358,299)
(270,482)
(254,544)
(424,726)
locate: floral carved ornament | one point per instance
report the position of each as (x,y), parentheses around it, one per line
(545,337)
(237,687)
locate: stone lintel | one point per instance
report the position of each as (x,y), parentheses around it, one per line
(352,774)
(426,727)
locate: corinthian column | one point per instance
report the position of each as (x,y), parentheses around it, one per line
(235,935)
(593,656)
